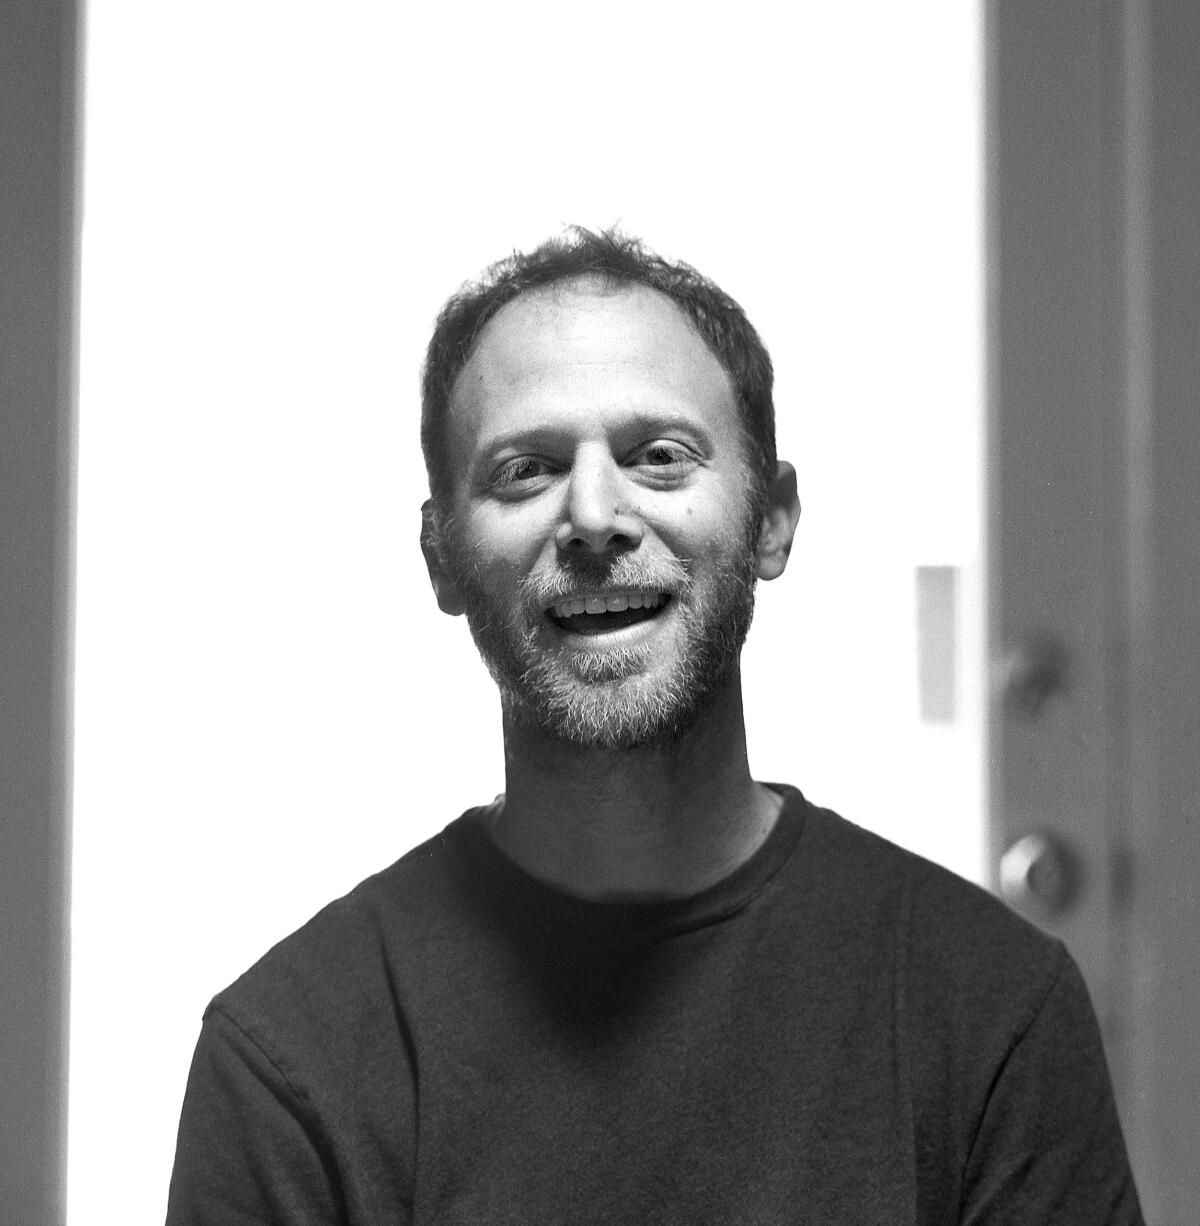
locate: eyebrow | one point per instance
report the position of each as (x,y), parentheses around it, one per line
(645,422)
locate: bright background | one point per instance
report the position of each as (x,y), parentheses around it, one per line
(278,198)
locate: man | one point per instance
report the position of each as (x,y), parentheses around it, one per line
(639,986)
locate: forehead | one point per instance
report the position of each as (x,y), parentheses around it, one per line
(587,351)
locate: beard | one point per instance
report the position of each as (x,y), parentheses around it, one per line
(622,696)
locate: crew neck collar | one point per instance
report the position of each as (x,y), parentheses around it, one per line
(529,901)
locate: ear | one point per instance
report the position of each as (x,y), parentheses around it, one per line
(450,599)
(780,518)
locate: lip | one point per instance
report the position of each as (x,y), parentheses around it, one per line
(659,601)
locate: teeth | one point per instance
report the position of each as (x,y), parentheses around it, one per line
(618,602)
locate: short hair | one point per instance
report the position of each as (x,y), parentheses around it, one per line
(619,260)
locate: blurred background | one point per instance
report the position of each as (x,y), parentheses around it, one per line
(969,236)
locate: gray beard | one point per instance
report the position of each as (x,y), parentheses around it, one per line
(604,699)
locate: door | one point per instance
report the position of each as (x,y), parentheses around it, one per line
(1094,525)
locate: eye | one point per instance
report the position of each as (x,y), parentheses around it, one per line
(519,475)
(664,459)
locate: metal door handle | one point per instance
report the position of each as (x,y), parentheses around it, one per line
(1039,874)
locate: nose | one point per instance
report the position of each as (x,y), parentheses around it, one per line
(597,516)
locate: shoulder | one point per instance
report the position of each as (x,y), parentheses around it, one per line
(345,968)
(989,1023)
(960,955)
(303,1083)
(936,904)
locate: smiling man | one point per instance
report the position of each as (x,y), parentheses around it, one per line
(639,986)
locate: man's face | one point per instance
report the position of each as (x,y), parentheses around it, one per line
(601,535)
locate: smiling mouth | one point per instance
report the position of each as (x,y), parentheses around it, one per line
(600,614)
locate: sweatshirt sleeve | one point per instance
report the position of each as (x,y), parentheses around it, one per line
(250,1149)
(1049,1146)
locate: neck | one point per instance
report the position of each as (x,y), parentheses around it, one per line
(662,821)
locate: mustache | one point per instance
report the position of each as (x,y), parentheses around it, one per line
(574,577)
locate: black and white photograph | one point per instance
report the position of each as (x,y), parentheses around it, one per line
(600,613)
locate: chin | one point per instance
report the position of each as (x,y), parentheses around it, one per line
(619,713)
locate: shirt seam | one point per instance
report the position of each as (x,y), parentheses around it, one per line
(1019,1036)
(300,1097)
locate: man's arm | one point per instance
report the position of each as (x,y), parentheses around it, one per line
(1049,1146)
(250,1148)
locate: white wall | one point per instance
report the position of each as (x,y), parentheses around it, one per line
(278,198)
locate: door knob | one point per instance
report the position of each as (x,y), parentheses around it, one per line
(1039,875)
(1035,672)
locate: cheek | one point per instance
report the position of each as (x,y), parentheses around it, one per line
(730,544)
(503,548)
(718,524)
